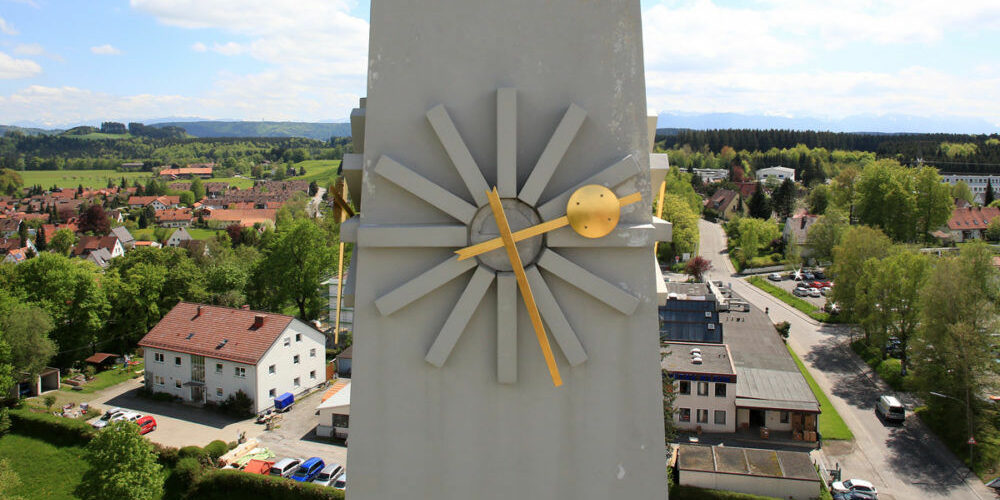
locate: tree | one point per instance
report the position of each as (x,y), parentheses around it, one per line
(95,221)
(783,199)
(143,220)
(988,196)
(26,330)
(6,377)
(669,399)
(858,244)
(843,191)
(122,465)
(62,242)
(313,188)
(197,189)
(885,199)
(933,201)
(685,228)
(819,199)
(993,230)
(825,234)
(897,282)
(22,233)
(755,234)
(11,182)
(291,271)
(759,207)
(697,267)
(187,198)
(962,191)
(40,242)
(235,232)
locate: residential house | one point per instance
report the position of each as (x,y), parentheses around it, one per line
(205,354)
(50,229)
(157,202)
(970,223)
(89,244)
(203,170)
(221,218)
(14,252)
(174,217)
(705,382)
(344,360)
(116,216)
(747,189)
(9,226)
(124,236)
(335,410)
(179,236)
(99,256)
(724,202)
(777,173)
(148,244)
(797,229)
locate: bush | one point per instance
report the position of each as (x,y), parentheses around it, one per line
(783,328)
(216,449)
(225,484)
(168,455)
(195,452)
(89,371)
(238,405)
(50,428)
(188,470)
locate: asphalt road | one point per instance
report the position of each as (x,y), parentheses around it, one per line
(903,462)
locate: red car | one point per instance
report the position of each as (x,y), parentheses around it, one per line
(146,424)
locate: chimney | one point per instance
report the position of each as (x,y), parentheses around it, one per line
(258,320)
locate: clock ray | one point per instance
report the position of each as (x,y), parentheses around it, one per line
(609,177)
(459,153)
(419,186)
(588,282)
(506,328)
(460,316)
(552,154)
(421,285)
(507,142)
(414,235)
(561,330)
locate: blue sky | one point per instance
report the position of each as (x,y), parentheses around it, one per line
(69,62)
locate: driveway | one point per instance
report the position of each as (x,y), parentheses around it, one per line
(296,434)
(903,462)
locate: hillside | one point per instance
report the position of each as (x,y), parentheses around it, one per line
(28,130)
(319,131)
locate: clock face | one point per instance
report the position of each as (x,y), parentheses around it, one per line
(506,234)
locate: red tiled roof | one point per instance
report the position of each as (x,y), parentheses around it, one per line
(91,243)
(246,218)
(50,229)
(187,171)
(8,244)
(100,358)
(219,332)
(146,200)
(972,218)
(174,214)
(721,200)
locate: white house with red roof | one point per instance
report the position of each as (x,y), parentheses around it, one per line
(970,223)
(204,354)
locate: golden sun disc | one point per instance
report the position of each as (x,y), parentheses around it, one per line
(593,211)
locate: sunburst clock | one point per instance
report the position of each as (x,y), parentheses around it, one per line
(506,234)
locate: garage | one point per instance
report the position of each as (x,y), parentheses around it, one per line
(748,470)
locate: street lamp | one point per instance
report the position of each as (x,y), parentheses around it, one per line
(968,414)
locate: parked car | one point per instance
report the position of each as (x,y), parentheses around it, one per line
(328,475)
(802,284)
(128,416)
(890,409)
(308,470)
(814,292)
(106,418)
(800,292)
(819,274)
(826,290)
(808,275)
(285,467)
(341,482)
(774,277)
(146,424)
(854,485)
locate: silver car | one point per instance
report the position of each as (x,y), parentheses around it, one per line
(814,292)
(341,482)
(328,475)
(285,467)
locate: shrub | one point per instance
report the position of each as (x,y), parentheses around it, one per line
(89,371)
(188,470)
(50,401)
(783,328)
(195,452)
(168,455)
(216,449)
(227,483)
(238,405)
(47,427)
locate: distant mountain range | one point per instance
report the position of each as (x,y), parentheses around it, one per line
(860,123)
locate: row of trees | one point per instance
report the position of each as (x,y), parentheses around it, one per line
(682,208)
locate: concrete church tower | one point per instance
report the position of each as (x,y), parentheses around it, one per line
(504,285)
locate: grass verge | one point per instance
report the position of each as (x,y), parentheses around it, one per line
(780,294)
(831,425)
(108,378)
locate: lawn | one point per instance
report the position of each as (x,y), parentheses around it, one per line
(74,178)
(108,378)
(195,232)
(46,471)
(831,426)
(780,294)
(239,182)
(323,172)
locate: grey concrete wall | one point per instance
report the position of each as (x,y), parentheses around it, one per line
(419,431)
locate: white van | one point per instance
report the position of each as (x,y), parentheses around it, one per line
(890,409)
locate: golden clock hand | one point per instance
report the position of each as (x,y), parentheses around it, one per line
(522,284)
(530,232)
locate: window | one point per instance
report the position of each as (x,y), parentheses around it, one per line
(271,369)
(685,387)
(177,383)
(702,416)
(312,375)
(312,353)
(288,341)
(158,380)
(341,421)
(784,417)
(240,372)
(270,393)
(218,392)
(685,415)
(298,337)
(177,360)
(703,388)
(720,390)
(158,357)
(296,382)
(218,368)
(295,359)
(720,417)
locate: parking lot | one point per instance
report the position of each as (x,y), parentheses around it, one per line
(296,434)
(789,285)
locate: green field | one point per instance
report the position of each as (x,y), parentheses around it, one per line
(73,178)
(46,471)
(323,172)
(831,425)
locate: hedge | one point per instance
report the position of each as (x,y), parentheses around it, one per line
(59,431)
(226,484)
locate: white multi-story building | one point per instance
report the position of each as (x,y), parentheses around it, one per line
(204,354)
(977,183)
(705,385)
(779,173)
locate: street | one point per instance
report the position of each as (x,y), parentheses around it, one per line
(903,462)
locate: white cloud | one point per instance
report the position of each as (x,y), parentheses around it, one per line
(198,47)
(228,49)
(105,50)
(11,68)
(6,28)
(29,49)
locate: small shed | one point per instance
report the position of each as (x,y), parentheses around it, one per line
(335,411)
(28,386)
(748,470)
(344,362)
(102,360)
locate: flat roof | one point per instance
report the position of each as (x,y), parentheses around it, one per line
(715,358)
(746,461)
(689,291)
